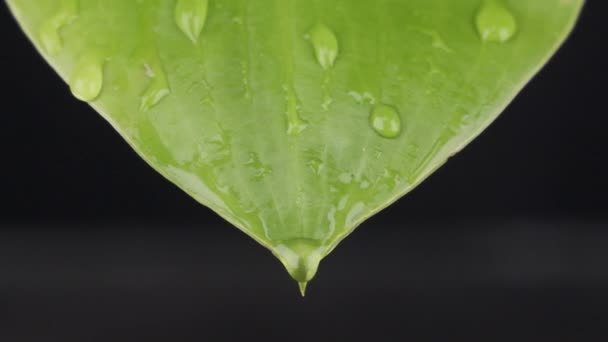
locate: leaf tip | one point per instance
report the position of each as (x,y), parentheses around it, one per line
(302,285)
(301,258)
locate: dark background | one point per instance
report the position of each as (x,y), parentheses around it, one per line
(508,241)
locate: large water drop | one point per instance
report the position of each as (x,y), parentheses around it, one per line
(325,44)
(87,80)
(385,121)
(495,22)
(190,16)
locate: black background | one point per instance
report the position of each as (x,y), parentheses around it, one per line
(508,241)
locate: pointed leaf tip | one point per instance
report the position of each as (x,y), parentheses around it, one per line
(301,258)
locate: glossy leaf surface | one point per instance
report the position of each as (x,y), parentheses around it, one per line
(296,120)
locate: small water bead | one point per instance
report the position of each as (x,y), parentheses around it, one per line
(260,170)
(392,179)
(190,16)
(49,31)
(87,79)
(49,36)
(346,178)
(437,40)
(317,166)
(495,22)
(325,44)
(385,120)
(156,91)
(362,98)
(295,124)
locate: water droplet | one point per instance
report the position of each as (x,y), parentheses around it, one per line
(217,151)
(386,121)
(49,31)
(364,184)
(190,16)
(157,90)
(245,78)
(49,35)
(354,214)
(327,102)
(87,79)
(295,124)
(392,179)
(437,41)
(317,166)
(327,97)
(412,150)
(260,170)
(303,200)
(362,98)
(346,178)
(495,22)
(325,43)
(301,258)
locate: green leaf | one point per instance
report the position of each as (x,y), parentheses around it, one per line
(296,120)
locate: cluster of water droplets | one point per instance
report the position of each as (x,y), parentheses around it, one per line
(494,22)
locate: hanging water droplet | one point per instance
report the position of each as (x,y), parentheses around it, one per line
(87,80)
(495,22)
(301,258)
(386,121)
(325,43)
(49,31)
(190,16)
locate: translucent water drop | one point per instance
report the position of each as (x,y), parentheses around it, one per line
(49,31)
(156,91)
(325,44)
(386,121)
(87,80)
(317,166)
(295,124)
(362,98)
(49,36)
(301,258)
(190,16)
(437,40)
(260,170)
(495,22)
